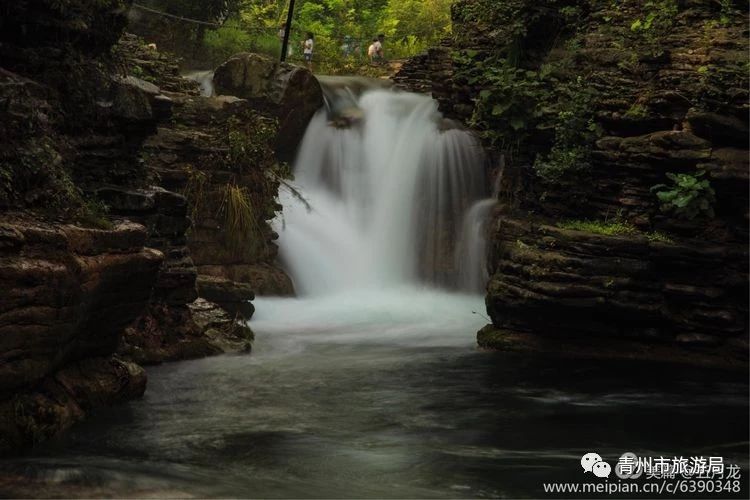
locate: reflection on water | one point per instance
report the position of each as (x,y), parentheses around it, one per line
(337,402)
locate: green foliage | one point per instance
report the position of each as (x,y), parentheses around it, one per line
(727,11)
(688,196)
(637,111)
(658,237)
(240,224)
(249,142)
(503,106)
(343,29)
(657,20)
(204,10)
(227,41)
(93,214)
(575,132)
(413,25)
(612,228)
(36,178)
(606,228)
(196,190)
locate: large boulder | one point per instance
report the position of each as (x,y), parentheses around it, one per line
(289,92)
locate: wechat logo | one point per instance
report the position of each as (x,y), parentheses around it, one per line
(592,462)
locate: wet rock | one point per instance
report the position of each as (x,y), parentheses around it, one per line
(290,92)
(64,398)
(720,129)
(68,294)
(170,333)
(222,331)
(573,284)
(584,346)
(232,296)
(131,103)
(98,382)
(264,279)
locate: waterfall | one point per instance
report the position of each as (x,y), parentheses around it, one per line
(471,255)
(388,187)
(206,80)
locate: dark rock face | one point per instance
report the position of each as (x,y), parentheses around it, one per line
(68,294)
(174,334)
(672,100)
(72,158)
(233,297)
(290,92)
(216,143)
(91,28)
(62,399)
(164,214)
(575,284)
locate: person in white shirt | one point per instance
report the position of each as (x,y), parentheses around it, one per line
(375,51)
(307,48)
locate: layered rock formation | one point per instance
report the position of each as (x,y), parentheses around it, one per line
(74,278)
(586,108)
(100,144)
(219,152)
(68,294)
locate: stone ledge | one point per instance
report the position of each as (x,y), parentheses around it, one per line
(606,349)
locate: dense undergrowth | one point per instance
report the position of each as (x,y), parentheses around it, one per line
(537,103)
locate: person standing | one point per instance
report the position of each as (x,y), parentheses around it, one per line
(307,49)
(381,51)
(373,52)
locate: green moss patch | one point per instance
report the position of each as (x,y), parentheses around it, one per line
(612,228)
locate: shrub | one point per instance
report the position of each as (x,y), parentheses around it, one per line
(575,131)
(687,197)
(226,41)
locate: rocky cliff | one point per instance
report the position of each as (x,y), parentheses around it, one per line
(620,138)
(116,178)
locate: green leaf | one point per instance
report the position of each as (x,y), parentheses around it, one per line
(682,201)
(517,123)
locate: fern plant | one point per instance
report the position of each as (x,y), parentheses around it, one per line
(688,197)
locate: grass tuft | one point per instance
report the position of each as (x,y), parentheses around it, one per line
(612,228)
(241,226)
(598,227)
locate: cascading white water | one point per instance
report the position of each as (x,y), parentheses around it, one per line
(471,254)
(388,184)
(206,80)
